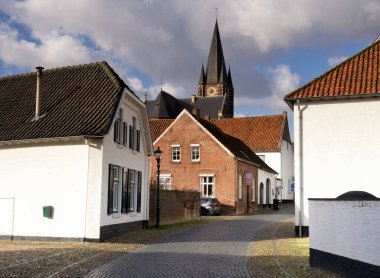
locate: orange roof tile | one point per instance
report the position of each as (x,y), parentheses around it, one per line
(356,76)
(158,126)
(263,133)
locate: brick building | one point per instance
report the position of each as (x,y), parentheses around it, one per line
(197,155)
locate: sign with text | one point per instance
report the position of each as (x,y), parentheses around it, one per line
(248,178)
(292,185)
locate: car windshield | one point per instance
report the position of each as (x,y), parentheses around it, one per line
(205,200)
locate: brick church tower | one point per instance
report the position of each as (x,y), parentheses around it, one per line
(216,81)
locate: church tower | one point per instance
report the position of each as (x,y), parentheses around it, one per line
(216,81)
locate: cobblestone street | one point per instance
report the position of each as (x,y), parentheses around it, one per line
(215,250)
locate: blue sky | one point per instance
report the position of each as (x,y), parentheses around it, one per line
(272,46)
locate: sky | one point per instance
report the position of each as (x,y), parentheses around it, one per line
(272,46)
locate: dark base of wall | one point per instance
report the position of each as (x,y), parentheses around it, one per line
(110,231)
(47,238)
(305,231)
(342,265)
(287,201)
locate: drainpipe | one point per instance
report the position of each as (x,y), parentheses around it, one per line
(299,117)
(38,93)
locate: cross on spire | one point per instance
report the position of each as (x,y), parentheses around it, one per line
(161,83)
(216,14)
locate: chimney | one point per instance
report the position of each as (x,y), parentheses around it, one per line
(207,117)
(196,112)
(38,93)
(193,98)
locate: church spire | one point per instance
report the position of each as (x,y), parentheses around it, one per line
(202,78)
(215,61)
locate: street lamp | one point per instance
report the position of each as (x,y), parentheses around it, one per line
(158,155)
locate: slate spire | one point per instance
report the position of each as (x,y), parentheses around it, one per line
(215,61)
(229,78)
(202,78)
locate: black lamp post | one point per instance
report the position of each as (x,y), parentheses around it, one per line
(158,155)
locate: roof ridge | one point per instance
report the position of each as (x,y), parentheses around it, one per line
(51,69)
(252,117)
(287,96)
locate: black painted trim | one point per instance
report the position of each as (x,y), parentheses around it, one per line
(342,265)
(109,231)
(305,231)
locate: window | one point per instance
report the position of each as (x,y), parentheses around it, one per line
(124,190)
(195,152)
(165,182)
(240,187)
(114,189)
(176,153)
(138,140)
(125,134)
(207,186)
(134,136)
(117,127)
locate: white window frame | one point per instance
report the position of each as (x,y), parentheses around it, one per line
(116,183)
(176,160)
(240,187)
(164,185)
(207,183)
(192,147)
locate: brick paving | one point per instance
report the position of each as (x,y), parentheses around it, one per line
(219,249)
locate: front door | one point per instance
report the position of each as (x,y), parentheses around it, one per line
(261,194)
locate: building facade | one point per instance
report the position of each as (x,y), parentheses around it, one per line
(198,156)
(336,124)
(77,169)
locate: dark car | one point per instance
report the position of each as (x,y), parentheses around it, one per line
(210,206)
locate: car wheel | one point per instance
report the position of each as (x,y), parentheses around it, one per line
(209,212)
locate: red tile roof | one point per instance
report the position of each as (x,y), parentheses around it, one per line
(260,134)
(158,126)
(356,76)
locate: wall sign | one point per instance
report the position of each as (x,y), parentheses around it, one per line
(248,178)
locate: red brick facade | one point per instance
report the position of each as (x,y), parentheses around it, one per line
(215,160)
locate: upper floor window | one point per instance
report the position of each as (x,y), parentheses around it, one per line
(195,152)
(118,127)
(134,136)
(176,153)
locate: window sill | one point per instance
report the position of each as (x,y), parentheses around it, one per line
(196,161)
(116,215)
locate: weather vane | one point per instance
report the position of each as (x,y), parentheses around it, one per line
(216,14)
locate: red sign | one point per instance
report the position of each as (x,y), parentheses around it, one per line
(248,179)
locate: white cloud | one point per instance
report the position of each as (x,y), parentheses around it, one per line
(282,81)
(333,61)
(169,39)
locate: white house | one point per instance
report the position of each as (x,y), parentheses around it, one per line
(337,132)
(269,138)
(73,155)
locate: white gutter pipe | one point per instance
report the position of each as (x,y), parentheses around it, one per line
(299,117)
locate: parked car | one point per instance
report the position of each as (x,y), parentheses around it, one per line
(210,206)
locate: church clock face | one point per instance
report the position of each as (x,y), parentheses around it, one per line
(211,91)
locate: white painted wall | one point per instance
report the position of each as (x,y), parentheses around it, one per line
(346,228)
(38,175)
(262,177)
(287,170)
(123,156)
(283,163)
(340,148)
